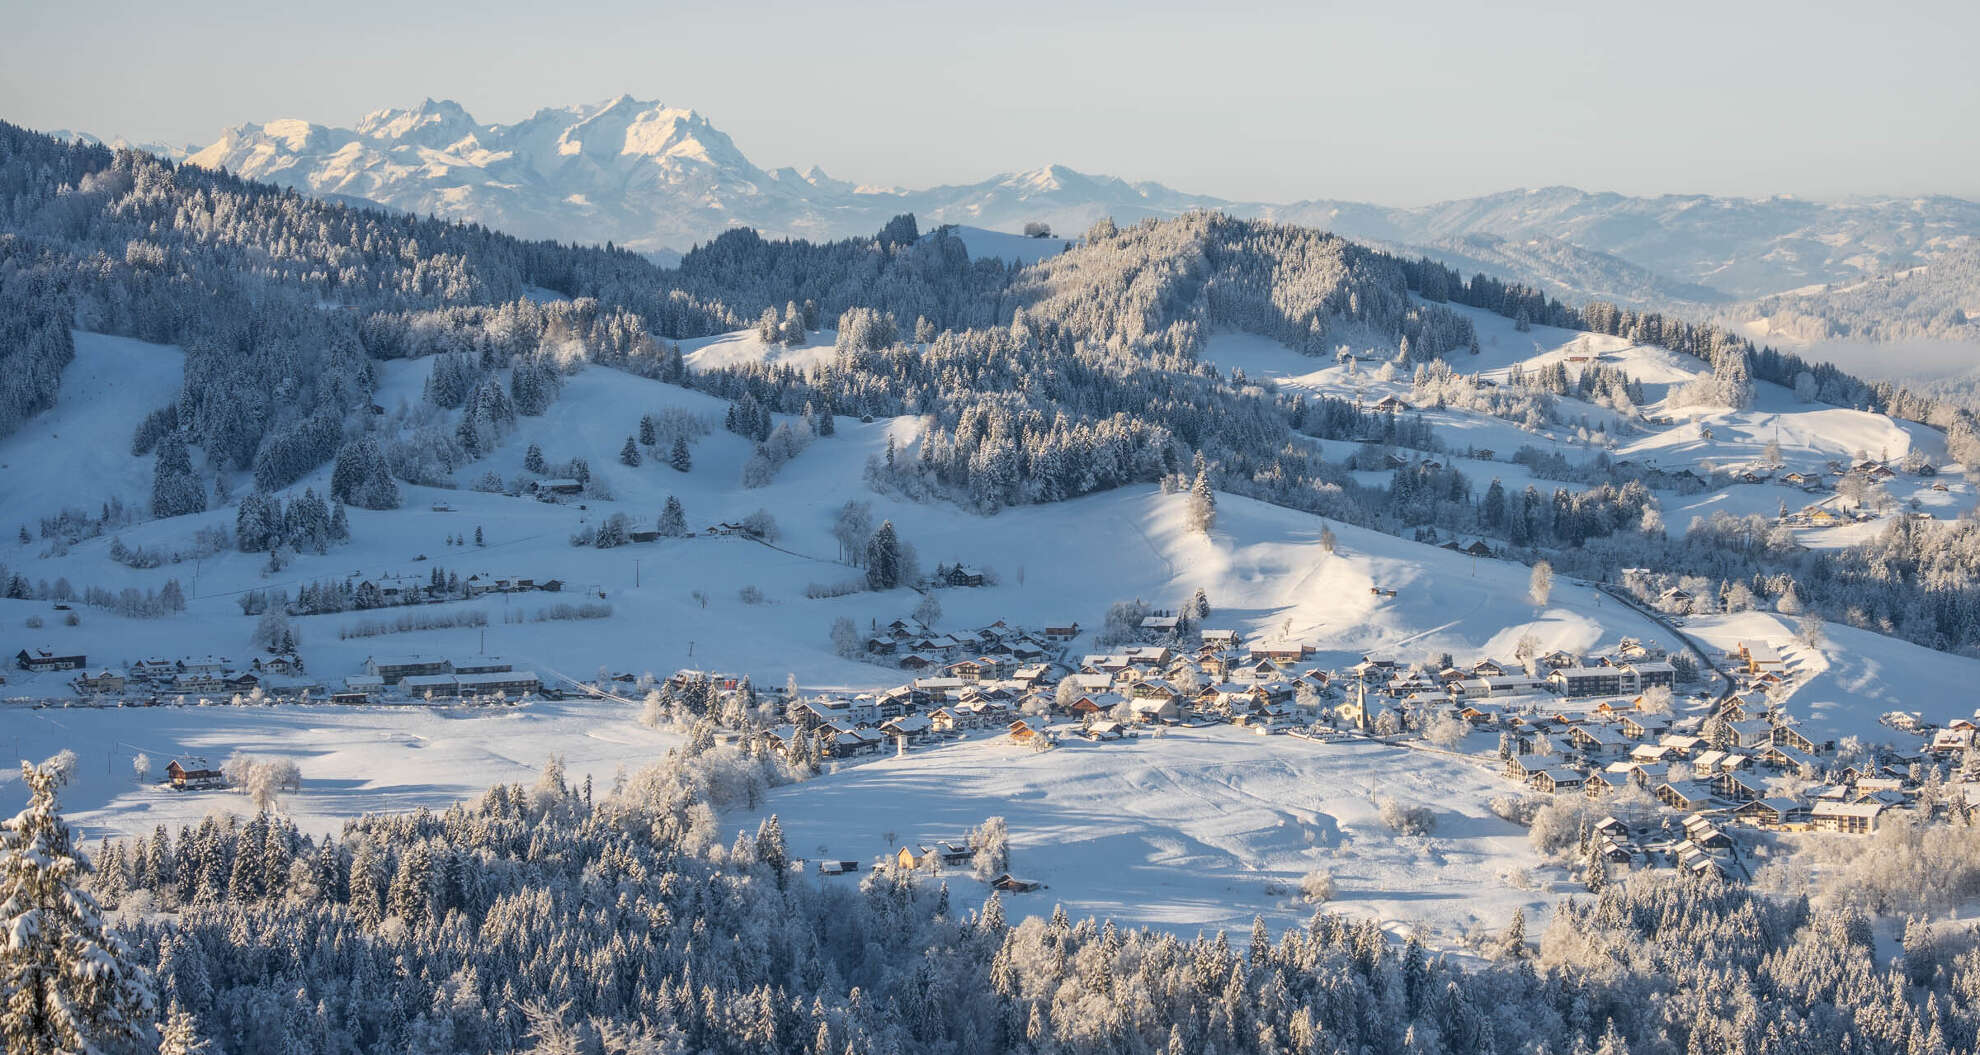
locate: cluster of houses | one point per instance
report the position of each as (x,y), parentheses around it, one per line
(273,674)
(421,589)
(987,652)
(438,678)
(1716,769)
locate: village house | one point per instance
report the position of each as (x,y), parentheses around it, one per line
(1026,730)
(193,772)
(1555,779)
(42,660)
(103,682)
(912,728)
(1689,796)
(1758,657)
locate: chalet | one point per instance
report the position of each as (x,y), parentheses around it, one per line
(1851,818)
(1027,730)
(837,740)
(837,868)
(643,535)
(1597,739)
(1222,638)
(1758,656)
(498,682)
(394,669)
(1559,660)
(1738,787)
(910,858)
(283,663)
(964,575)
(1478,549)
(156,668)
(1105,730)
(1389,405)
(1642,726)
(919,661)
(1754,732)
(1523,767)
(913,728)
(1606,781)
(1062,631)
(941,688)
(1011,884)
(1155,710)
(1689,795)
(193,772)
(102,682)
(1786,759)
(1635,650)
(1485,668)
(1773,813)
(1096,703)
(1792,736)
(1161,624)
(42,660)
(1557,779)
(479,665)
(555,487)
(1653,753)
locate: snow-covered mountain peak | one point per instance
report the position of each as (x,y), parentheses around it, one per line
(433,124)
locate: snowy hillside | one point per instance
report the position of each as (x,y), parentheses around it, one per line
(659,179)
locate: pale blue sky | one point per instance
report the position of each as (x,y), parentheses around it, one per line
(1395,103)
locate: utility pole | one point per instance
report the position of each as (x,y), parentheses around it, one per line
(635,573)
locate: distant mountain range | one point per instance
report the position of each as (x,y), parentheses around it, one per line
(660,179)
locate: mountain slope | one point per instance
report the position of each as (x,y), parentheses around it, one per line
(658,179)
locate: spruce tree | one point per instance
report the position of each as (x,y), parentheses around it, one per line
(629,454)
(69,981)
(883,558)
(678,458)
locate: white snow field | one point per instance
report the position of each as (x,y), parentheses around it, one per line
(381,759)
(1200,829)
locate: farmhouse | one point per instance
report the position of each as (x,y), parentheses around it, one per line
(42,660)
(103,681)
(193,772)
(1758,657)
